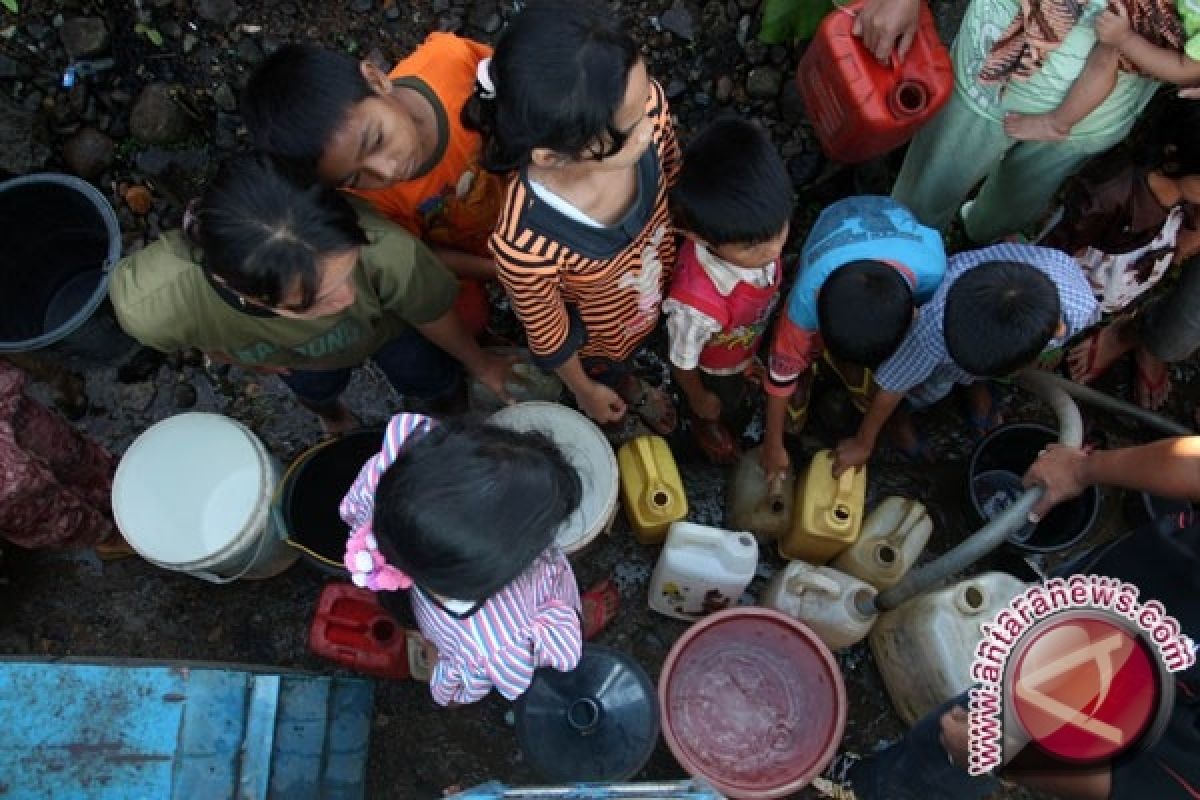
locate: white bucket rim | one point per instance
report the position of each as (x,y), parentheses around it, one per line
(575,533)
(252,528)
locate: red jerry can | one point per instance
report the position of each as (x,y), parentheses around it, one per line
(353,629)
(860,108)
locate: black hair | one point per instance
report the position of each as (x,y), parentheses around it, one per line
(864,309)
(734,187)
(560,71)
(999,316)
(263,225)
(1171,144)
(297,99)
(467,507)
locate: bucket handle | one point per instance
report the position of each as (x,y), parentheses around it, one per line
(275,520)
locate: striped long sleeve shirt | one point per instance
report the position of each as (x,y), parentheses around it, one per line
(530,623)
(588,290)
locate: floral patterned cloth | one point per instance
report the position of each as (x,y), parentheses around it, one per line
(55,483)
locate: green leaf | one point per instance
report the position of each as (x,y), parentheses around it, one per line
(154,36)
(11,5)
(785,21)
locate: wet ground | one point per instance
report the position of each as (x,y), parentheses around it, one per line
(71,605)
(59,605)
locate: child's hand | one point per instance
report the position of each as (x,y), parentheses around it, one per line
(849,454)
(707,406)
(602,404)
(1113,26)
(775,460)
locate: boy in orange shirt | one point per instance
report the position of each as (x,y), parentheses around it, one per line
(397,140)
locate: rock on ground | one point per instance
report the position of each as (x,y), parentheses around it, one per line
(156,117)
(89,153)
(84,36)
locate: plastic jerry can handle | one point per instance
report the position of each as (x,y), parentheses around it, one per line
(774,500)
(813,581)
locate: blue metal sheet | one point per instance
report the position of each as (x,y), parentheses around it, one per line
(87,732)
(176,733)
(350,709)
(255,767)
(211,739)
(300,740)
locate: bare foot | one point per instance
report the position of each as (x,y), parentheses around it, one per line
(1153,383)
(340,420)
(1092,357)
(1034,127)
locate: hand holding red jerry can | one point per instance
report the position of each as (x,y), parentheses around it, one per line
(861,108)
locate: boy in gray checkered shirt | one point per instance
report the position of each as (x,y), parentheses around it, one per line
(995,313)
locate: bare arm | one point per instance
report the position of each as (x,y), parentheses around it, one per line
(466,265)
(1113,28)
(597,401)
(1170,467)
(775,458)
(1093,86)
(855,451)
(448,333)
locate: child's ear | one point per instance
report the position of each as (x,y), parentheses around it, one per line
(546,158)
(375,78)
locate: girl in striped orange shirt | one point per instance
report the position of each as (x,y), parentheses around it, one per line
(584,245)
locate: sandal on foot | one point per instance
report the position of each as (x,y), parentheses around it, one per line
(600,605)
(714,439)
(651,404)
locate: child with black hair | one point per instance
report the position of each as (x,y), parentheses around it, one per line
(866,266)
(1127,218)
(464,516)
(733,204)
(996,311)
(584,245)
(395,139)
(280,275)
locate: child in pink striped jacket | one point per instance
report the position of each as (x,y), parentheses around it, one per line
(464,516)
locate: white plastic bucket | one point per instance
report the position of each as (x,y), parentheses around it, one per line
(193,494)
(587,451)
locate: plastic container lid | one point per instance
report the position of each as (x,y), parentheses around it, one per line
(189,486)
(587,450)
(598,722)
(753,702)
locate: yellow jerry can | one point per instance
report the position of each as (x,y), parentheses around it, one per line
(651,488)
(828,512)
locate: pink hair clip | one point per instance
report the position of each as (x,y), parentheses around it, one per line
(368,568)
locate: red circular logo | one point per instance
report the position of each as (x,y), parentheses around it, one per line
(1085,688)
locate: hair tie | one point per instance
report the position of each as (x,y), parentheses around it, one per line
(483,79)
(368,567)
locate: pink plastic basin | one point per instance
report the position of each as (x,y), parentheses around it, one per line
(753,702)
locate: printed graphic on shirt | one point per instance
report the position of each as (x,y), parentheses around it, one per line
(745,336)
(340,337)
(648,282)
(461,216)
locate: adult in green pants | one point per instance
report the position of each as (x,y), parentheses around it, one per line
(966,143)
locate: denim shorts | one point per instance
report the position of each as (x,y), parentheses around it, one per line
(415,367)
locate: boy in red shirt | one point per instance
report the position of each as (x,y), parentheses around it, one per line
(733,203)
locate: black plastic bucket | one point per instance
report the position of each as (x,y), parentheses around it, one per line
(61,240)
(313,488)
(997,465)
